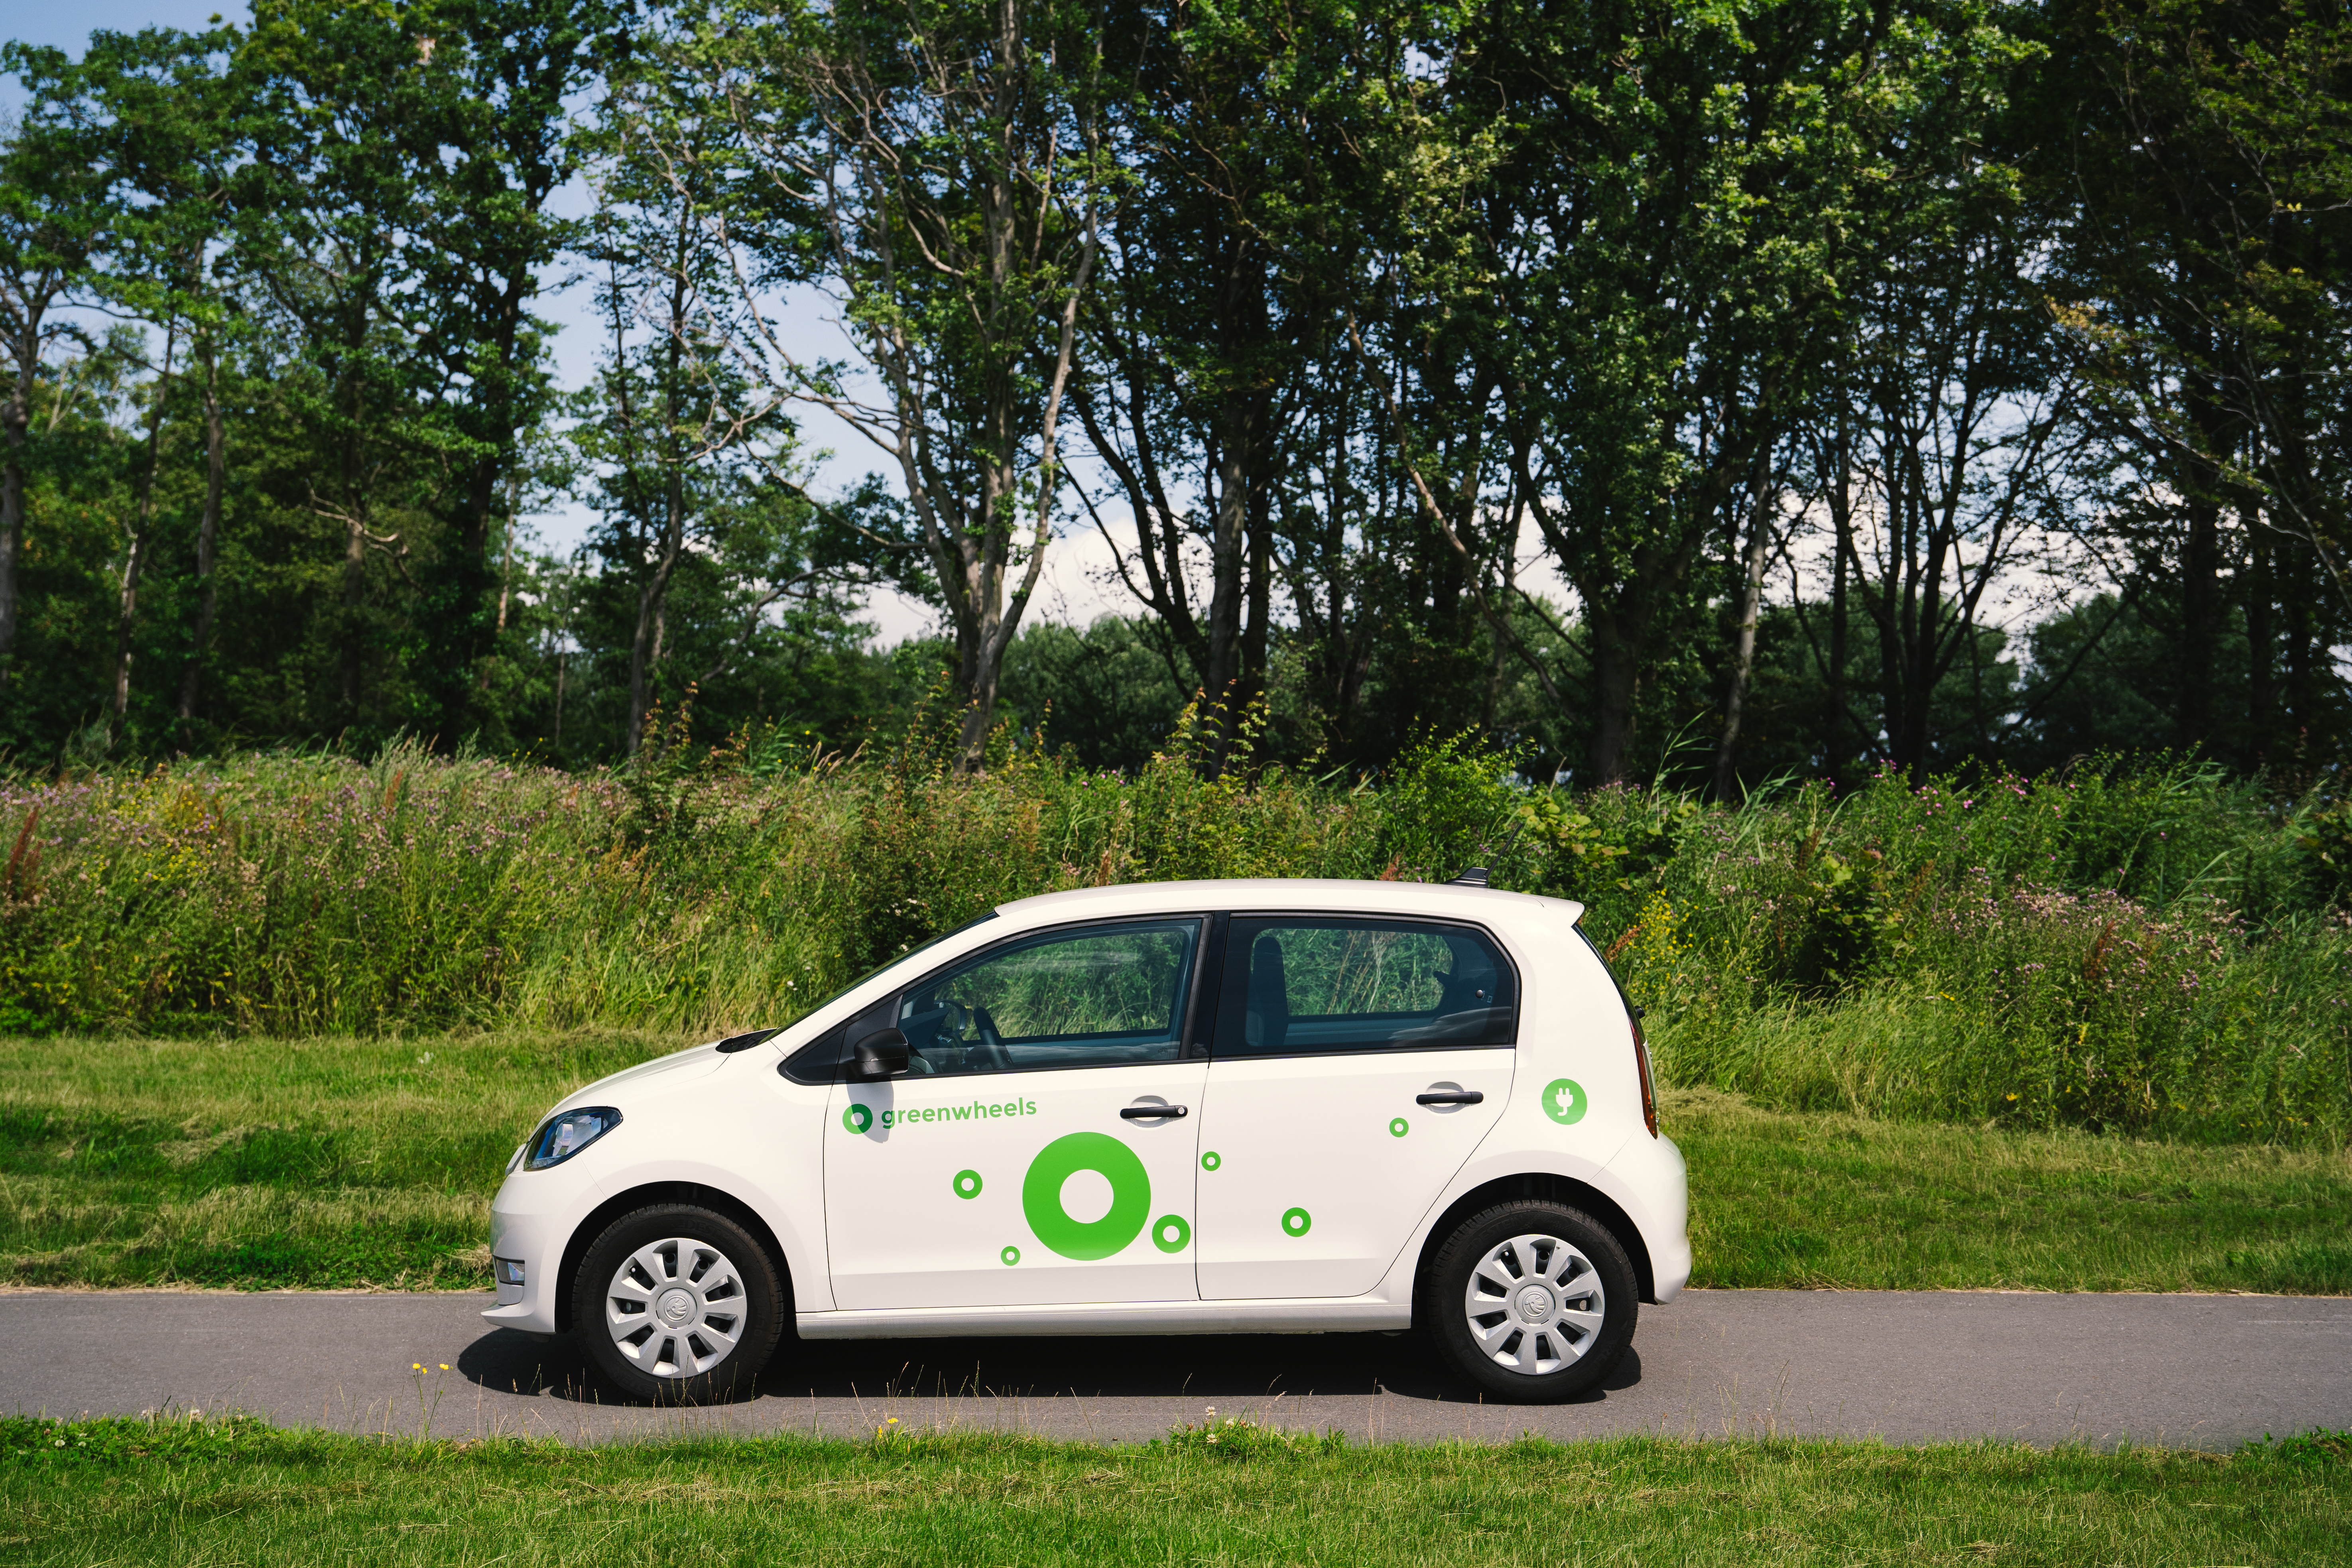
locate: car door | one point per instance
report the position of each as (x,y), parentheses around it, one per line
(1354,1066)
(1040,1150)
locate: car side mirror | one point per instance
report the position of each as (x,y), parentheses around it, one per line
(879,1055)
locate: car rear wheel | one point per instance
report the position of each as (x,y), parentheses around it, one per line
(678,1305)
(1531,1300)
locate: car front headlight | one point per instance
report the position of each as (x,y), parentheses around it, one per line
(566,1135)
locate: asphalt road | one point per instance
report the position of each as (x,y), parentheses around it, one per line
(2186,1370)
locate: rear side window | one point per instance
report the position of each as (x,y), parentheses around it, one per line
(1301,985)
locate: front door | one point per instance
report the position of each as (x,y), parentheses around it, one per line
(1355,1065)
(1040,1151)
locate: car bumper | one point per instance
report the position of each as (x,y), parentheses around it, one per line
(532,1236)
(1655,1183)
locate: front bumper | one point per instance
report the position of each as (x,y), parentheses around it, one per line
(532,1236)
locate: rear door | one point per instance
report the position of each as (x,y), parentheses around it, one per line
(1041,1149)
(1354,1066)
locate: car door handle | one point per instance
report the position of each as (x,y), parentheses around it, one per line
(1152,1112)
(1450,1097)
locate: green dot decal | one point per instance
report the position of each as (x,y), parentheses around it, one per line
(1208,1161)
(1169,1233)
(858,1118)
(1130,1194)
(1563,1100)
(1400,1127)
(1012,1255)
(1297,1221)
(967,1184)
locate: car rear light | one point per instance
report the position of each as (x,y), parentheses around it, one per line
(1642,1065)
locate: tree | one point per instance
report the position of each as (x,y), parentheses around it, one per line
(52,218)
(936,166)
(2196,158)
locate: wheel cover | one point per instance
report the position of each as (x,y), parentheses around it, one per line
(1534,1305)
(676,1308)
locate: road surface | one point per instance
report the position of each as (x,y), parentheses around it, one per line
(2186,1370)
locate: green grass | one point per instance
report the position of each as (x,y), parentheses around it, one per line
(343,1162)
(184,1491)
(1781,1198)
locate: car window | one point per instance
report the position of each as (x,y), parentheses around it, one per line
(1296,986)
(1098,997)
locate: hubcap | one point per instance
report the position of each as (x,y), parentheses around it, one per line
(676,1308)
(1534,1304)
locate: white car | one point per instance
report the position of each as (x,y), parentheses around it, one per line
(1242,1106)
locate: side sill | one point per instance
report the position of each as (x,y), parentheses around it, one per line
(1312,1316)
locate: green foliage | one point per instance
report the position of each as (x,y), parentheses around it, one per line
(2145,949)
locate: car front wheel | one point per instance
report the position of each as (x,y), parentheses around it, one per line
(678,1305)
(1531,1300)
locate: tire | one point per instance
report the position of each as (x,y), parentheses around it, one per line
(1554,1305)
(678,1305)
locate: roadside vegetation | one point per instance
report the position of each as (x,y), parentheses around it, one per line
(2149,949)
(261,1161)
(186,1490)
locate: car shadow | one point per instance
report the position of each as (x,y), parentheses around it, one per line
(1204,1366)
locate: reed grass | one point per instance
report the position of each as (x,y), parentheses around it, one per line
(2151,949)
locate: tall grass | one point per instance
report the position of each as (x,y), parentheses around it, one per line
(2153,948)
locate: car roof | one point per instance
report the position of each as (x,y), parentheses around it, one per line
(1443,899)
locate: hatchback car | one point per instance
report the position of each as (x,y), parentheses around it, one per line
(1242,1106)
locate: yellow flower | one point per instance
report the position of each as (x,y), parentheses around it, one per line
(444,1367)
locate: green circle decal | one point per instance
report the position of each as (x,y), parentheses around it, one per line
(967,1184)
(1169,1233)
(1297,1221)
(1208,1161)
(1400,1127)
(1563,1100)
(1012,1255)
(1130,1194)
(858,1118)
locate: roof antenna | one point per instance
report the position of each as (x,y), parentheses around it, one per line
(1476,876)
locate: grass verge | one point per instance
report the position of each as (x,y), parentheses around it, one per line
(318,1163)
(187,1491)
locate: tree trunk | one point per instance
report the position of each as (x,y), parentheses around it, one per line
(354,592)
(653,599)
(143,524)
(15,420)
(1743,652)
(1618,639)
(2261,685)
(207,544)
(2201,619)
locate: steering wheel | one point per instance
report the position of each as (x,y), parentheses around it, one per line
(991,1044)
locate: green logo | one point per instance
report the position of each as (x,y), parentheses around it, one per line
(1208,1161)
(1012,1255)
(1297,1221)
(1563,1100)
(1169,1233)
(1400,1127)
(967,1184)
(1130,1194)
(858,1118)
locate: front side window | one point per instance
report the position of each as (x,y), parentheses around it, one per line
(1297,985)
(1095,997)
